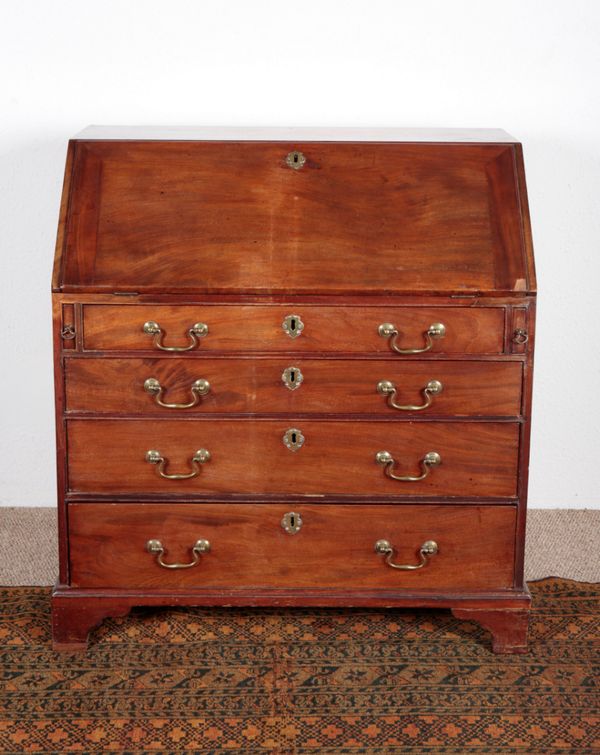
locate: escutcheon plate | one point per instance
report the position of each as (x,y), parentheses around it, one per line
(293,439)
(291,522)
(292,378)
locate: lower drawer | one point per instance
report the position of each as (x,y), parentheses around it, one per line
(249,547)
(250,457)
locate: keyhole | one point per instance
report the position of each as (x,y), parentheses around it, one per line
(292,377)
(295,159)
(291,522)
(293,439)
(292,325)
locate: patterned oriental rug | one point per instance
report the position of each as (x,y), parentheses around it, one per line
(302,682)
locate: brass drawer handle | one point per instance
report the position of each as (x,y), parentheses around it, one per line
(156,548)
(199,330)
(428,549)
(431,459)
(435,330)
(199,388)
(387,388)
(200,457)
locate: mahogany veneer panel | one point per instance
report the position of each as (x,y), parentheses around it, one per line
(334,547)
(470,330)
(116,386)
(108,456)
(232,217)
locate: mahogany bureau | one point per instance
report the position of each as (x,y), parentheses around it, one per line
(293,368)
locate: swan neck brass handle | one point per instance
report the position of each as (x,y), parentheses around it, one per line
(431,459)
(428,549)
(434,331)
(200,457)
(156,548)
(387,388)
(198,330)
(199,388)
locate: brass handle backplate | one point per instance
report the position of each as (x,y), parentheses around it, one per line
(156,548)
(428,549)
(434,331)
(387,388)
(199,388)
(200,457)
(198,330)
(431,459)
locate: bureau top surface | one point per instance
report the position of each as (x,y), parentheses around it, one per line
(294,211)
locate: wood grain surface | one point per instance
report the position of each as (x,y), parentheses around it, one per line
(233,217)
(334,547)
(258,328)
(111,385)
(249,456)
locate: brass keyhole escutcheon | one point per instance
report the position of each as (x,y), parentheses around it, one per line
(292,378)
(295,160)
(293,439)
(292,325)
(291,522)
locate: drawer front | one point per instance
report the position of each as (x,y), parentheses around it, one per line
(251,457)
(256,328)
(253,385)
(334,547)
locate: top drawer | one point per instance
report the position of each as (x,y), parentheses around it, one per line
(398,330)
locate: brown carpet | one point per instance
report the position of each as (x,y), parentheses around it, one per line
(303,682)
(560,543)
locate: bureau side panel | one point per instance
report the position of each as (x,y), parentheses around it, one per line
(61,437)
(524,445)
(62,220)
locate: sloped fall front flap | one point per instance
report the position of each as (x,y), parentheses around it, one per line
(235,217)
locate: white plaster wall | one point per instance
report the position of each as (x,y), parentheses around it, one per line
(530,67)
